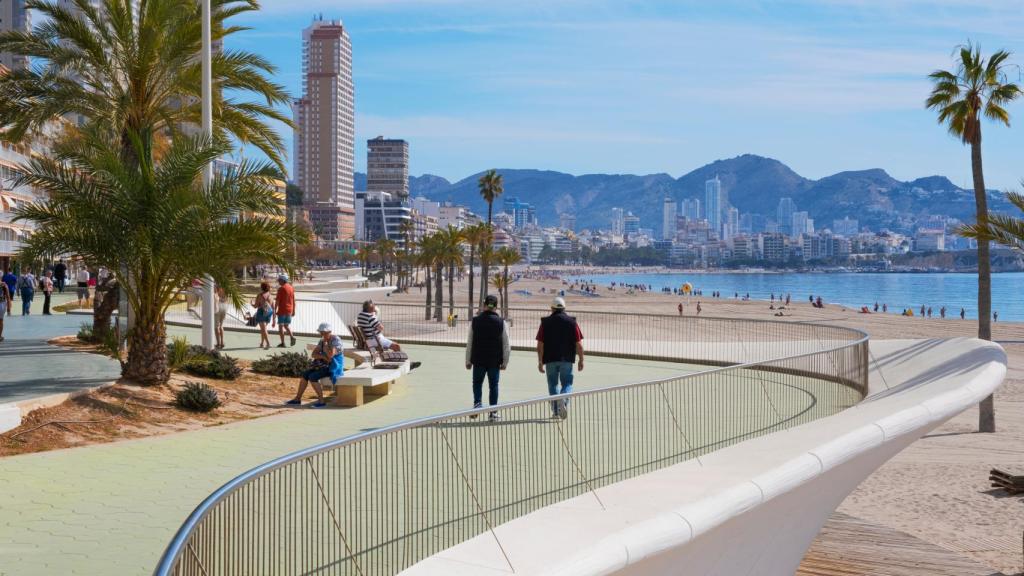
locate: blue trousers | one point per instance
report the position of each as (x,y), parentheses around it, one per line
(493,375)
(26,300)
(558,372)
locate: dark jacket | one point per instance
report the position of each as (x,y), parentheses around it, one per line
(488,344)
(559,336)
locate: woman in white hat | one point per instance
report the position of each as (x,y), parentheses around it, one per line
(328,360)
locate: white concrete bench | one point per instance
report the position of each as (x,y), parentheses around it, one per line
(360,357)
(366,380)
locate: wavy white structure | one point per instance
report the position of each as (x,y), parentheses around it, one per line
(750,509)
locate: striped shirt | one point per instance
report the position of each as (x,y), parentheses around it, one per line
(369,324)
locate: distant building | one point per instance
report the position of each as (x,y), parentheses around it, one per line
(800,224)
(14,18)
(523,214)
(451,215)
(714,204)
(845,227)
(784,216)
(387,167)
(731,225)
(668,219)
(380,216)
(930,241)
(325,130)
(773,247)
(630,224)
(618,221)
(753,224)
(691,209)
(567,221)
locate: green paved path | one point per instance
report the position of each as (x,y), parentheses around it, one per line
(111,509)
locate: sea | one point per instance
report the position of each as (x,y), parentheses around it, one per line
(853,289)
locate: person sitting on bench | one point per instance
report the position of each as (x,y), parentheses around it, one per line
(373,330)
(328,360)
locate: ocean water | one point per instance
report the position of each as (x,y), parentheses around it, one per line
(899,291)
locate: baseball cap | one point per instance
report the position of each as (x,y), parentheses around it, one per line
(282,278)
(324,327)
(558,302)
(491,301)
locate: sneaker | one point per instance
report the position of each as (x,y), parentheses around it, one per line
(494,416)
(415,365)
(561,410)
(293,340)
(281,345)
(294,402)
(475,406)
(319,404)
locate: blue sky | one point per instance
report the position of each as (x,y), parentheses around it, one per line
(618,86)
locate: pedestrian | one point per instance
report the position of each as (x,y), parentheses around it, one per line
(876,306)
(27,289)
(942,312)
(60,275)
(559,344)
(219,316)
(995,316)
(680,308)
(963,313)
(5,306)
(328,361)
(82,283)
(284,305)
(487,353)
(46,284)
(264,313)
(10,281)
(929,311)
(698,308)
(922,310)
(885,307)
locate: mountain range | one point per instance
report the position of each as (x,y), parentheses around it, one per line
(753,184)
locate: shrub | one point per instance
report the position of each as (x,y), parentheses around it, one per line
(110,345)
(196,397)
(179,352)
(85,332)
(213,365)
(283,364)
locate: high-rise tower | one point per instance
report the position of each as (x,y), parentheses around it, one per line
(387,167)
(14,18)
(714,204)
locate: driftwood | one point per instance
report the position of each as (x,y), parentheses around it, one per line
(1006,481)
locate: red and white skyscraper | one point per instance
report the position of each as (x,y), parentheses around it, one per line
(326,131)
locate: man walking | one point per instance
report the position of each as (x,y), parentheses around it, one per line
(11,282)
(82,281)
(46,283)
(27,289)
(487,353)
(559,344)
(284,307)
(60,275)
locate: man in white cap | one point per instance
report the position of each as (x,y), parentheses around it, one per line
(328,361)
(284,307)
(559,345)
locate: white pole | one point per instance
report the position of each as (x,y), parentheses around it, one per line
(207,111)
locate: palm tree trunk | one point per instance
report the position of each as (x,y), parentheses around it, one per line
(438,291)
(147,351)
(451,289)
(504,299)
(469,302)
(485,261)
(107,296)
(987,409)
(429,299)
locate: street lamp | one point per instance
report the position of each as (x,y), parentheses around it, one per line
(207,112)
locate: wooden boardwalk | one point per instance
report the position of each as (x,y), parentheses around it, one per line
(849,546)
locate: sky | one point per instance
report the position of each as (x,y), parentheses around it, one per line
(619,86)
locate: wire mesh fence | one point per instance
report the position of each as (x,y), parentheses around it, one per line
(379,502)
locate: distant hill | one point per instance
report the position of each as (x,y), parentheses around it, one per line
(752,183)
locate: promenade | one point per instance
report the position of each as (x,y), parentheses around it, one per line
(112,508)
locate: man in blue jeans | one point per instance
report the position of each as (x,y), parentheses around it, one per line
(487,352)
(559,345)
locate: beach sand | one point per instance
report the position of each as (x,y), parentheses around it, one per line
(937,489)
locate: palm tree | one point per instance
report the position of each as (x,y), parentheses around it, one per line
(475,236)
(500,284)
(130,70)
(385,249)
(364,254)
(406,228)
(450,245)
(491,186)
(427,257)
(976,87)
(156,226)
(506,257)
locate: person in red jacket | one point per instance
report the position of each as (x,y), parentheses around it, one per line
(284,308)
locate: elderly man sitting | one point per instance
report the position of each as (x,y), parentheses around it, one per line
(372,329)
(328,360)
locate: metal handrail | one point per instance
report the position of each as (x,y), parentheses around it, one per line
(177,546)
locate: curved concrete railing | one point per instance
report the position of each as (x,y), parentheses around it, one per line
(380,502)
(752,508)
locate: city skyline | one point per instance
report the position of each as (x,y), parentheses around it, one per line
(825,86)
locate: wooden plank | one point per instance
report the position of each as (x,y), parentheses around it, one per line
(849,546)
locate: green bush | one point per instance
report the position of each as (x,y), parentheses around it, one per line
(110,345)
(179,352)
(196,397)
(213,365)
(85,332)
(283,364)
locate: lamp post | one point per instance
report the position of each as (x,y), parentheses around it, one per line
(207,112)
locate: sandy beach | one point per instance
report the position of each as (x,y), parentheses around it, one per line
(938,488)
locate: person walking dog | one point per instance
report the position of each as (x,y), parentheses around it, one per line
(487,353)
(559,345)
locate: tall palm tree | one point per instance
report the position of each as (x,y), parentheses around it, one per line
(130,70)
(406,228)
(427,258)
(156,226)
(976,87)
(491,186)
(450,240)
(475,236)
(385,249)
(506,257)
(364,254)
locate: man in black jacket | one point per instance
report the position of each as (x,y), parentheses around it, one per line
(487,352)
(559,345)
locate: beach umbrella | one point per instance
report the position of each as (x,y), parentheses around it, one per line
(687,288)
